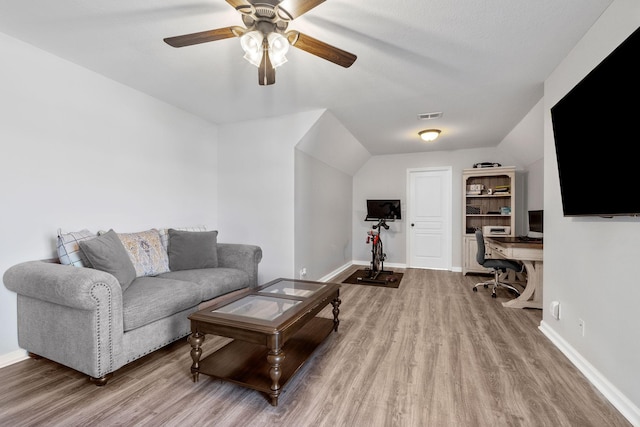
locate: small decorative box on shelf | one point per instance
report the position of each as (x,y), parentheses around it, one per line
(473,210)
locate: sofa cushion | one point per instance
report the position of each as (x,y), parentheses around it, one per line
(69,252)
(164,233)
(192,249)
(212,282)
(106,253)
(150,298)
(146,252)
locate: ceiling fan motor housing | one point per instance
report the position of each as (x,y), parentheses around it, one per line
(264,39)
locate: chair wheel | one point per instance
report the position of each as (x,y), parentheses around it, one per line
(494,296)
(486,286)
(475,289)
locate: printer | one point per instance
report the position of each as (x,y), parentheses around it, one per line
(496,230)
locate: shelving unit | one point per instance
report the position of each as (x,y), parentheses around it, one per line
(488,199)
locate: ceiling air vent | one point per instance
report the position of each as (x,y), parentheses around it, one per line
(429,116)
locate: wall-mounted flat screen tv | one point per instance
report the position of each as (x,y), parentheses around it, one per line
(383,209)
(595,128)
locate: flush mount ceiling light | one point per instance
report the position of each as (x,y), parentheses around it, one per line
(265,40)
(429,134)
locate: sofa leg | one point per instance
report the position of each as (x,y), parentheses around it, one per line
(33,355)
(102,380)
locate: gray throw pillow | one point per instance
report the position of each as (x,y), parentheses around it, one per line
(107,253)
(190,250)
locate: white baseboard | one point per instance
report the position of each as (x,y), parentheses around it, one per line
(334,273)
(13,357)
(386,264)
(630,411)
(399,265)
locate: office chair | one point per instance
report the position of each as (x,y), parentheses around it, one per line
(497,266)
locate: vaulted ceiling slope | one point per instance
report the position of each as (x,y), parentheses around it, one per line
(482,63)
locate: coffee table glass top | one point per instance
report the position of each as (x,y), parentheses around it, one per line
(270,301)
(258,307)
(293,287)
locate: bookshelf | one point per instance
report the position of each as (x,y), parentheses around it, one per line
(488,199)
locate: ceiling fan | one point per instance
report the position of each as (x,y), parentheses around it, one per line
(265,39)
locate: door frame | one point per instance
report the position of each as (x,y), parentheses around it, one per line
(448,174)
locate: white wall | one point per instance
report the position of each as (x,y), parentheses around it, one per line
(256,187)
(535,193)
(331,143)
(81,151)
(590,264)
(326,158)
(525,143)
(323,199)
(385,177)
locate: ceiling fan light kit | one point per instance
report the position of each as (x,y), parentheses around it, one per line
(265,40)
(251,43)
(278,48)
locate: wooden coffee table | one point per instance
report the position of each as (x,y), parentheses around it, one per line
(275,330)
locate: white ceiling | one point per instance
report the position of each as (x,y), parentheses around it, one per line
(480,62)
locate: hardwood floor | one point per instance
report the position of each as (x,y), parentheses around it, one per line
(431,353)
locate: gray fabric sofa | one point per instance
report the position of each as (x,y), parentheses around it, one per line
(85,319)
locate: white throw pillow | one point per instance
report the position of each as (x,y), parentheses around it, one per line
(69,252)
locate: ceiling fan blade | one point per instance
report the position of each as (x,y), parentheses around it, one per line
(205,36)
(321,49)
(240,4)
(291,9)
(266,72)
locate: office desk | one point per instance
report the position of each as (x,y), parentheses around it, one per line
(530,253)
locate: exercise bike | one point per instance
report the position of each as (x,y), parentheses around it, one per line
(377,254)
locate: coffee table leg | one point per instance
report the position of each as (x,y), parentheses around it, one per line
(275,359)
(336,311)
(195,340)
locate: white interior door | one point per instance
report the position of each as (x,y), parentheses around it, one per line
(429,220)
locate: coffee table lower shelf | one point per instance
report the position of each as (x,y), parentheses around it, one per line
(246,363)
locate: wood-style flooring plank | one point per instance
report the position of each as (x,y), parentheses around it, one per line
(430,353)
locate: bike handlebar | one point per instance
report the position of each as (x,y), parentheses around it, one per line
(381,223)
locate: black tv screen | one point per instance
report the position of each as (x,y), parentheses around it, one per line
(383,209)
(595,128)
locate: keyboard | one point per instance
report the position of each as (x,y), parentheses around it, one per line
(529,239)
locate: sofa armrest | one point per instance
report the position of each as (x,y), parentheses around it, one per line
(242,257)
(61,284)
(71,315)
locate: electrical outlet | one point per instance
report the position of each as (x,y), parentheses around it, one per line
(303,272)
(581,325)
(555,309)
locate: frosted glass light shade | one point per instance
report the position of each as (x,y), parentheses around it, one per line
(278,48)
(251,43)
(429,134)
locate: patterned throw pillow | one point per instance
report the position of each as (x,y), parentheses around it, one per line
(146,252)
(69,252)
(164,234)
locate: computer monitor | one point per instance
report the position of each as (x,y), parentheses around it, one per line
(536,223)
